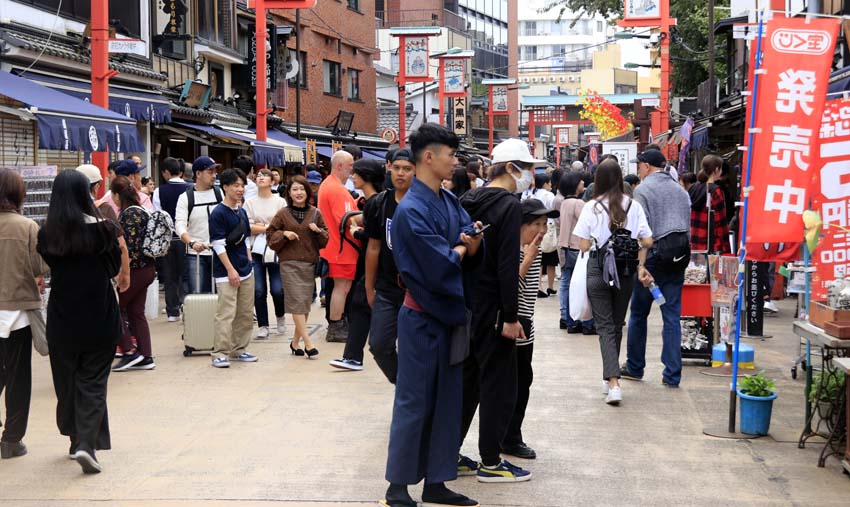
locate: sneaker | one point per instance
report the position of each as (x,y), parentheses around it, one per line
(220,362)
(262,333)
(563,324)
(173,318)
(551,292)
(615,396)
(770,307)
(88,462)
(667,384)
(281,325)
(625,373)
(10,450)
(128,362)
(466,466)
(541,294)
(520,450)
(347,364)
(246,357)
(146,364)
(503,472)
(589,331)
(72,451)
(118,353)
(574,330)
(606,386)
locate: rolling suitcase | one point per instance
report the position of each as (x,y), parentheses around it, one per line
(199,317)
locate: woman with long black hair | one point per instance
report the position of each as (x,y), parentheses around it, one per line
(608,211)
(83,319)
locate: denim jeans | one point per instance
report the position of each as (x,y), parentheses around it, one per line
(275,285)
(193,284)
(671,334)
(564,295)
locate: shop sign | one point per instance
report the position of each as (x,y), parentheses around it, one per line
(415,57)
(336,146)
(459,115)
(311,151)
(453,76)
(389,135)
(563,136)
(642,9)
(271,60)
(195,94)
(500,100)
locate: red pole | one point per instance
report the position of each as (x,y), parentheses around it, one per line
(402,90)
(100,72)
(260,37)
(490,117)
(440,92)
(664,110)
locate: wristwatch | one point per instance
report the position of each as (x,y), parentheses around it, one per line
(191,244)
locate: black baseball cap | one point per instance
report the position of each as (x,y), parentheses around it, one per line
(204,163)
(652,157)
(403,154)
(127,167)
(534,208)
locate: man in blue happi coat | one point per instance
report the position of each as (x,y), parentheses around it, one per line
(433,246)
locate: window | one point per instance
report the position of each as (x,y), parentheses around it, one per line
(214,21)
(80,10)
(599,26)
(332,81)
(354,5)
(558,50)
(301,77)
(529,53)
(353,84)
(530,28)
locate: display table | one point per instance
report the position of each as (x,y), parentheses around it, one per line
(829,416)
(843,364)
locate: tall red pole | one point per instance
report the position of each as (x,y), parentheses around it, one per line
(100,72)
(402,92)
(440,96)
(666,23)
(490,117)
(260,36)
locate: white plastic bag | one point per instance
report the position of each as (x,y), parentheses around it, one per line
(579,302)
(152,300)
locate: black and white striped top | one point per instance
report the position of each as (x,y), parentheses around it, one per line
(528,286)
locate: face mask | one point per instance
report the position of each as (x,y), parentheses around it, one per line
(524,181)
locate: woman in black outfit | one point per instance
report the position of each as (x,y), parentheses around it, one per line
(83,320)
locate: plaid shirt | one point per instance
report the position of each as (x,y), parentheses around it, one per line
(720,229)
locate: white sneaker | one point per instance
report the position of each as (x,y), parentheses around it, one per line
(770,306)
(606,386)
(281,325)
(262,333)
(615,396)
(173,319)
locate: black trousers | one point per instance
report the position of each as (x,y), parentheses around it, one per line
(172,267)
(489,379)
(359,321)
(525,376)
(79,379)
(16,377)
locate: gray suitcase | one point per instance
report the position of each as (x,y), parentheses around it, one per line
(199,318)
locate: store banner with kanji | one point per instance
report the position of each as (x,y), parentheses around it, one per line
(789,105)
(831,196)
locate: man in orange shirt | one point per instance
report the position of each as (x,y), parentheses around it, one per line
(334,202)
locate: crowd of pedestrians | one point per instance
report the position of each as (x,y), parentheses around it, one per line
(437,266)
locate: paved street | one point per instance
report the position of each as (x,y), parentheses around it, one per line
(294,432)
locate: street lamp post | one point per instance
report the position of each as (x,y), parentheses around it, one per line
(412,67)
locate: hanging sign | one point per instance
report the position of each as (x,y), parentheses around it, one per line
(831,196)
(453,76)
(271,60)
(336,146)
(563,136)
(791,92)
(642,9)
(459,115)
(500,100)
(415,57)
(311,151)
(756,283)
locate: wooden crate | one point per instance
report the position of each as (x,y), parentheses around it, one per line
(840,330)
(820,314)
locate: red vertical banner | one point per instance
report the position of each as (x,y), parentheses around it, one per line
(791,94)
(831,197)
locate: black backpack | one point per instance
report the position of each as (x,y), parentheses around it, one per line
(622,245)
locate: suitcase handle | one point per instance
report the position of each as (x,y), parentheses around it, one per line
(198,271)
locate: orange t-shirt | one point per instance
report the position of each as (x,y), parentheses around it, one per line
(334,202)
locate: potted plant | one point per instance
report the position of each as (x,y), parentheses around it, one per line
(756,395)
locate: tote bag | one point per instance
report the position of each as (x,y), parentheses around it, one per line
(579,302)
(152,300)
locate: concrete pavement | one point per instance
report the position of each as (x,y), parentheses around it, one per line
(295,432)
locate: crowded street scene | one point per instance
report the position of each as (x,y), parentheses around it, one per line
(424,253)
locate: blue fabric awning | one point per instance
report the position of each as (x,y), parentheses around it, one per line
(839,81)
(371,156)
(382,154)
(69,124)
(264,153)
(285,138)
(325,151)
(137,104)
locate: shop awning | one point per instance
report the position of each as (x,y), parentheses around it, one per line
(140,105)
(839,82)
(268,154)
(371,156)
(293,151)
(285,138)
(69,124)
(381,154)
(325,151)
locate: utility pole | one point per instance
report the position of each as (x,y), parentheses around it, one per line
(298,76)
(712,93)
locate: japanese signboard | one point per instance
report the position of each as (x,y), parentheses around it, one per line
(453,76)
(500,100)
(336,146)
(642,9)
(563,136)
(789,105)
(831,195)
(415,57)
(624,153)
(271,61)
(459,115)
(311,151)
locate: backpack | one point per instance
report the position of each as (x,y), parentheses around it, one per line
(190,200)
(158,233)
(672,253)
(622,246)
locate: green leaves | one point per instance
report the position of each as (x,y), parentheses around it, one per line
(757,385)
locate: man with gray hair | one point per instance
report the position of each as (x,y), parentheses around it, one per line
(334,202)
(577,166)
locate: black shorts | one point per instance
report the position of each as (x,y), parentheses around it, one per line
(550,258)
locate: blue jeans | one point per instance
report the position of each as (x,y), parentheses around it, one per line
(192,283)
(671,334)
(261,270)
(566,274)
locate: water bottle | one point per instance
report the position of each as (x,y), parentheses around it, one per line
(656,294)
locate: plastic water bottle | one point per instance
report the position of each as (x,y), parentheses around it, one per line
(656,294)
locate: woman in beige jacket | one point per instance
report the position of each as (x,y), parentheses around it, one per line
(21,275)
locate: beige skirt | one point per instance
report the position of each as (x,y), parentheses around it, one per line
(299,282)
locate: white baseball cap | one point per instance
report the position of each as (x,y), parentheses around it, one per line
(91,172)
(513,150)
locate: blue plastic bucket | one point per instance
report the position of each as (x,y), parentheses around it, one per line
(755,413)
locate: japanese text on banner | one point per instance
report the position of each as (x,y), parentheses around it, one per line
(797,59)
(831,196)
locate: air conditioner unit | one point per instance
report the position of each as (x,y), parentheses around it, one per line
(552,79)
(534,80)
(572,78)
(563,79)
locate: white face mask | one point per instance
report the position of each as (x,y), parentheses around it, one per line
(524,181)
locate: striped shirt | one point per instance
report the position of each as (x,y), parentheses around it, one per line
(528,286)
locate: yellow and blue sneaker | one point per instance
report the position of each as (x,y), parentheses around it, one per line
(503,472)
(466,466)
